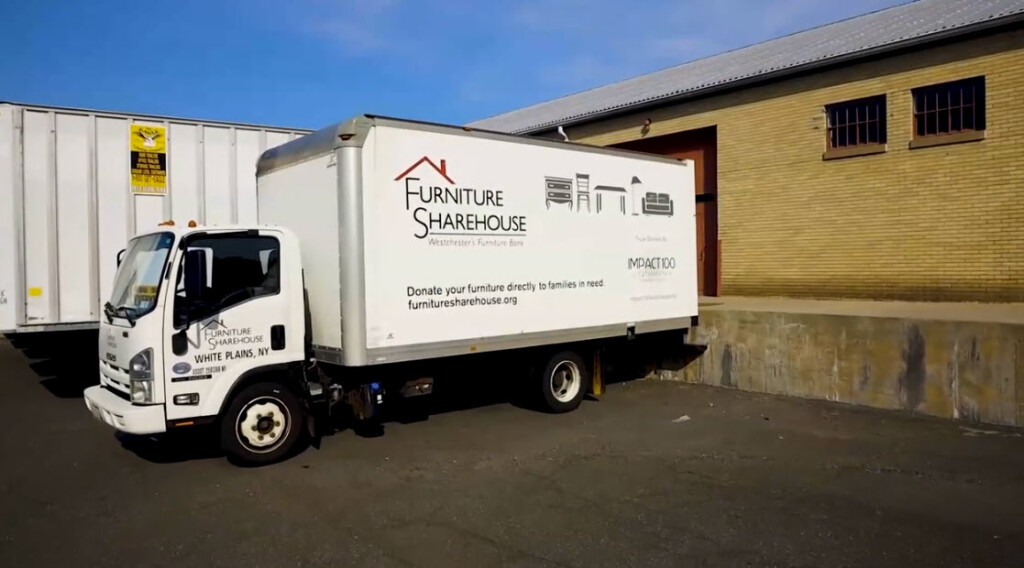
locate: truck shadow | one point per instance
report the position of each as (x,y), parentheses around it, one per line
(462,383)
(194,444)
(650,354)
(65,361)
(478,381)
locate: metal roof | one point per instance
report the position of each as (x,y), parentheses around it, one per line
(154,117)
(901,26)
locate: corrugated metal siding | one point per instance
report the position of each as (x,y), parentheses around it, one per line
(65,181)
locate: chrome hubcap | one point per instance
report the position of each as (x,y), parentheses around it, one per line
(565,381)
(263,424)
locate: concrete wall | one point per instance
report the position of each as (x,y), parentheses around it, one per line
(963,370)
(938,223)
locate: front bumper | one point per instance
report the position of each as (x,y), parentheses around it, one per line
(115,411)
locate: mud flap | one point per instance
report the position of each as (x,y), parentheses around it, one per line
(318,405)
(597,375)
(316,414)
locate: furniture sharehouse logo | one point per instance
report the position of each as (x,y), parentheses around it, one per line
(206,330)
(439,206)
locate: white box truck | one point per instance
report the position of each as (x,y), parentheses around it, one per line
(384,246)
(75,184)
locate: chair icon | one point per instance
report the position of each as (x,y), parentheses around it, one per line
(582,191)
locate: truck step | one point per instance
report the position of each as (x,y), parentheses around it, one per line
(417,387)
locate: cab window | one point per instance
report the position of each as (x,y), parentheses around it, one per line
(238,268)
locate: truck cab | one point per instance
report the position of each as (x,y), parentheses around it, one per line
(204,323)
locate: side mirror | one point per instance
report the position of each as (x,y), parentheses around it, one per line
(120,257)
(179,342)
(195,274)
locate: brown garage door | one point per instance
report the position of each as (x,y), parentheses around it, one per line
(701,146)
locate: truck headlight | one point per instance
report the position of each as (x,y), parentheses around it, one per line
(140,374)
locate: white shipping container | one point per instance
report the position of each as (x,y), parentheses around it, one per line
(67,203)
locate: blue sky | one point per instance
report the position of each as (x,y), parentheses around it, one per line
(307,63)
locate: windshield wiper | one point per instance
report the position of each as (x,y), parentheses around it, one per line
(128,313)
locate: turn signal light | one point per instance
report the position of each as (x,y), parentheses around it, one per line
(191,398)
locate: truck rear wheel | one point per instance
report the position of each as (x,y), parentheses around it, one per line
(563,382)
(262,423)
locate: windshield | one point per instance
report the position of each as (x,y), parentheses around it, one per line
(138,278)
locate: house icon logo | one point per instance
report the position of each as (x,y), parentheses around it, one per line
(438,206)
(441,169)
(203,330)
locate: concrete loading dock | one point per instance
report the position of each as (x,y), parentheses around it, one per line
(957,361)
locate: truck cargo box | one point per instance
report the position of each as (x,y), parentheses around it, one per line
(423,240)
(76,184)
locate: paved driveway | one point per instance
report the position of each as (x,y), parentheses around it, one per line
(746,480)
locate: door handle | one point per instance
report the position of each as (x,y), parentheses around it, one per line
(277,341)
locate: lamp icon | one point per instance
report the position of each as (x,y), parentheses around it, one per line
(636,193)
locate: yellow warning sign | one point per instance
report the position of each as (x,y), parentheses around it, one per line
(143,294)
(149,159)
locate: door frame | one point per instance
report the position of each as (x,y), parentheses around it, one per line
(700,145)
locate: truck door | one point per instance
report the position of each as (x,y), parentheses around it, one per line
(227,318)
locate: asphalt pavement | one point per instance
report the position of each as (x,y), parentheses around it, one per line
(653,474)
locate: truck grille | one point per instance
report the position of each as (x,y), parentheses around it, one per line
(115,379)
(119,393)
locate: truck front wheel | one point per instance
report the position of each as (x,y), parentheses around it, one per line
(262,423)
(564,380)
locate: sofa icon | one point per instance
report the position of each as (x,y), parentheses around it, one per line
(656,204)
(650,202)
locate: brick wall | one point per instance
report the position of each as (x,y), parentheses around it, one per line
(939,223)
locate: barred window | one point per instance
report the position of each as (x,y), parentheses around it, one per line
(856,123)
(949,108)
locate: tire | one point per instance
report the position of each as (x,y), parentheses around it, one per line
(563,381)
(252,431)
